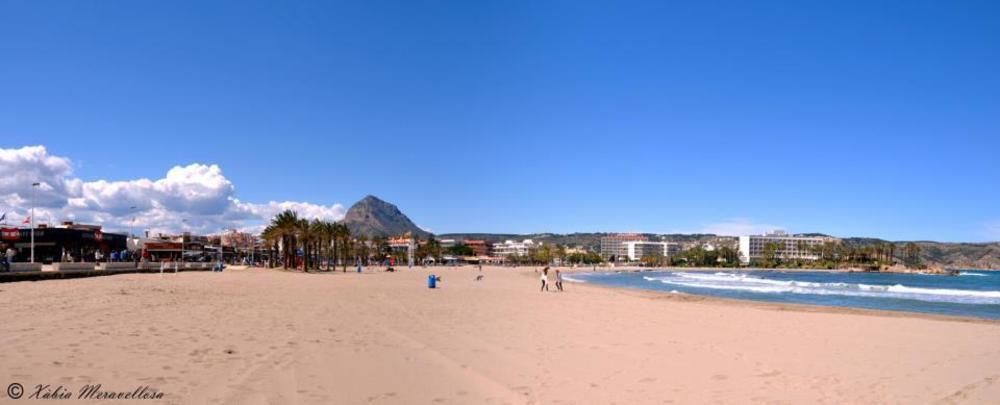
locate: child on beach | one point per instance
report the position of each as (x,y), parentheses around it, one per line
(545,279)
(558,280)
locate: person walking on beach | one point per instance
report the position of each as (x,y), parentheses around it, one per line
(558,280)
(545,279)
(8,258)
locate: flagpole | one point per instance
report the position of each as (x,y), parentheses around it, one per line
(33,187)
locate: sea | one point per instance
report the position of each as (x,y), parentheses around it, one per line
(971,293)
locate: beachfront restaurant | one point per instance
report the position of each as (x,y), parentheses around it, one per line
(51,244)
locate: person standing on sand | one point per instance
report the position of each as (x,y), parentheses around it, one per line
(8,258)
(545,279)
(558,280)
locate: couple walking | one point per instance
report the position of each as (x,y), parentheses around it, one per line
(545,279)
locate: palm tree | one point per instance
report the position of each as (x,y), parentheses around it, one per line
(317,229)
(341,234)
(271,235)
(911,252)
(328,229)
(285,226)
(304,234)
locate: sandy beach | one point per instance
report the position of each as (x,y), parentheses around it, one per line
(260,336)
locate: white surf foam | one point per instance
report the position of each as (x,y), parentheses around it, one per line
(754,284)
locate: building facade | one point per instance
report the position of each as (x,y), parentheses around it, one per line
(70,242)
(787,247)
(479,247)
(636,250)
(613,246)
(510,247)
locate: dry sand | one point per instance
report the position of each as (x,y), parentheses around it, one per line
(261,336)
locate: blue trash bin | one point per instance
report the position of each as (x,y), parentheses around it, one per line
(431,281)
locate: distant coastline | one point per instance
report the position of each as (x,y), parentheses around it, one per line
(948,255)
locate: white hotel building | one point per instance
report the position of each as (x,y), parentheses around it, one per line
(636,250)
(511,247)
(789,247)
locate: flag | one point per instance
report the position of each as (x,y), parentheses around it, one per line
(26,220)
(3,217)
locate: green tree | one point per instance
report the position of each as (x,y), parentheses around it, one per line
(729,256)
(284,227)
(460,250)
(911,255)
(769,256)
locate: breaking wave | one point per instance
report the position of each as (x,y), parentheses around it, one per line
(754,284)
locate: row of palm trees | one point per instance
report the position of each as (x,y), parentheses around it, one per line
(319,241)
(877,253)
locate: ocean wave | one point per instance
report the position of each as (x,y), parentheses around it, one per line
(753,284)
(969,273)
(944,291)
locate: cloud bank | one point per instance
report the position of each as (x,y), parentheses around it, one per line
(197,197)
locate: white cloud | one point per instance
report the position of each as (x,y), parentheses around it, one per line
(198,194)
(333,212)
(19,168)
(737,227)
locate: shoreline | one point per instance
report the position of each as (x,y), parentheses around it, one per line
(777,306)
(739,269)
(780,306)
(532,272)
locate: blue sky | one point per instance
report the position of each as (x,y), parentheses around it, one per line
(853,118)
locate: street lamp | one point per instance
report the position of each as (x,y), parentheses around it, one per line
(183,226)
(131,226)
(222,247)
(33,187)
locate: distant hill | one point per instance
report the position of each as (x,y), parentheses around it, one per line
(374,217)
(952,255)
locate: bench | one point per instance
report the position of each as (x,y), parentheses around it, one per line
(117,266)
(19,267)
